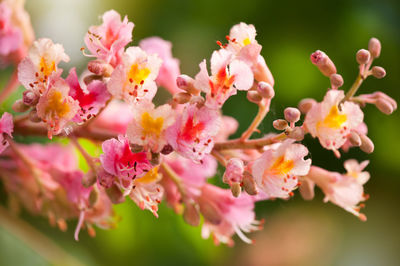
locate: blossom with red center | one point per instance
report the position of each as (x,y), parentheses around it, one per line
(91,99)
(344,190)
(108,40)
(119,161)
(227,75)
(193,132)
(42,61)
(134,78)
(169,70)
(148,127)
(6,128)
(331,122)
(225,215)
(276,171)
(16,33)
(55,107)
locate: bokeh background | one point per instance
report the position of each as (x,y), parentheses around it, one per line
(296,232)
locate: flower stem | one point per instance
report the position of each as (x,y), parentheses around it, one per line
(174,177)
(84,153)
(249,144)
(263,109)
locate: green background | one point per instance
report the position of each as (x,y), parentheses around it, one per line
(296,232)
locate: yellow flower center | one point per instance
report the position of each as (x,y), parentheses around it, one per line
(137,74)
(150,125)
(46,68)
(281,166)
(56,106)
(246,41)
(334,119)
(150,177)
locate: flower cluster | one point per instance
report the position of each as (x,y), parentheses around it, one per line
(168,152)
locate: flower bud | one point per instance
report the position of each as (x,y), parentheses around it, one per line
(292,114)
(265,90)
(306,104)
(323,62)
(254,96)
(249,185)
(210,212)
(167,149)
(30,98)
(89,179)
(363,56)
(88,79)
(93,197)
(236,189)
(336,81)
(182,97)
(307,189)
(100,68)
(191,215)
(355,139)
(378,72)
(297,133)
(19,106)
(234,171)
(280,124)
(367,145)
(186,83)
(374,47)
(384,106)
(198,100)
(115,194)
(33,116)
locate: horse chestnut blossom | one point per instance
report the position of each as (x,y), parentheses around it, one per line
(169,152)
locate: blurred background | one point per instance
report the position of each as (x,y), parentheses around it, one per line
(296,232)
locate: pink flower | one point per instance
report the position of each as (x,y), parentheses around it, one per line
(42,61)
(91,99)
(276,171)
(169,70)
(228,127)
(332,123)
(227,76)
(193,132)
(111,119)
(225,215)
(16,33)
(149,125)
(134,79)
(107,41)
(119,161)
(147,192)
(344,190)
(55,107)
(6,128)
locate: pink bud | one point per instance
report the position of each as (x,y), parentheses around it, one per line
(30,98)
(89,179)
(363,56)
(19,106)
(210,212)
(191,215)
(280,124)
(265,90)
(100,68)
(384,106)
(367,145)
(336,81)
(33,116)
(198,100)
(254,96)
(378,72)
(297,133)
(323,62)
(182,97)
(355,139)
(115,194)
(234,171)
(184,82)
(236,189)
(307,189)
(306,104)
(249,185)
(374,47)
(292,114)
